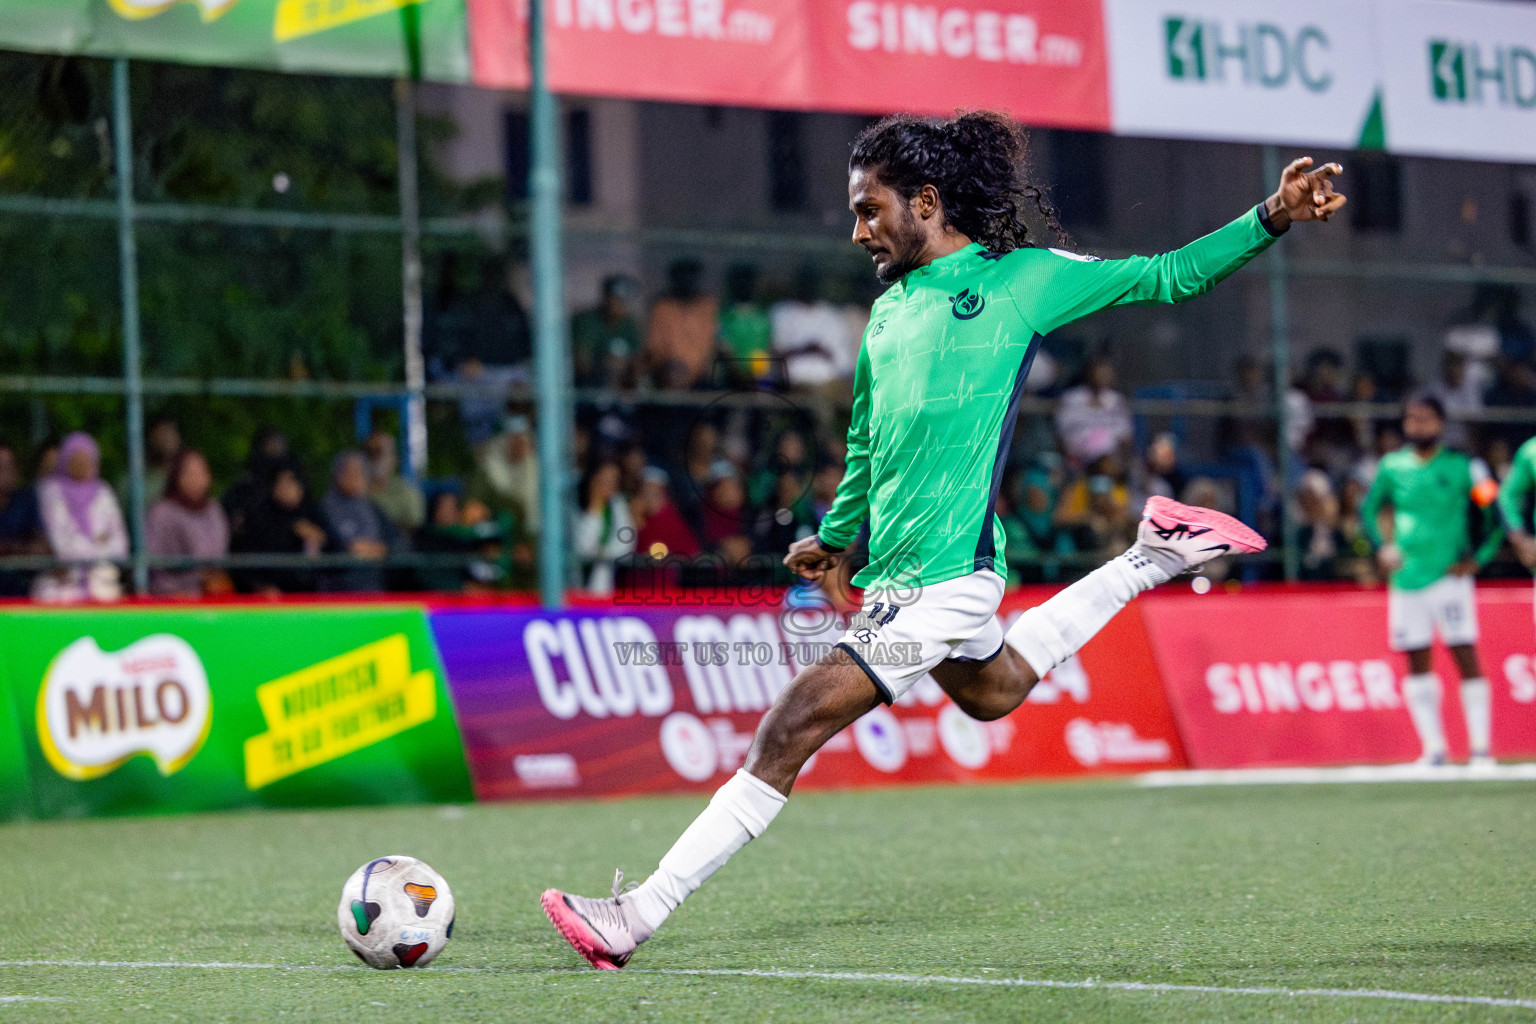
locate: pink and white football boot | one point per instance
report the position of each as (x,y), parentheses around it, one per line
(605,931)
(1180,538)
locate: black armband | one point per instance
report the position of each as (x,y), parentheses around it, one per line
(1269,225)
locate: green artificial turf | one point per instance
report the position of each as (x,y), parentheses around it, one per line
(1413,888)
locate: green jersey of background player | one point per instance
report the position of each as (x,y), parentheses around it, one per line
(1430,557)
(1515,502)
(936,205)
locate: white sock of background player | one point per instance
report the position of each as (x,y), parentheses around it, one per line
(1422,694)
(1475,706)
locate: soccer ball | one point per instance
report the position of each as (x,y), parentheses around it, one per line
(395,912)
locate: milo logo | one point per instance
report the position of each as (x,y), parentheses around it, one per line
(96,709)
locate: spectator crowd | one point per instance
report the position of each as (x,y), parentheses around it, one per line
(707,491)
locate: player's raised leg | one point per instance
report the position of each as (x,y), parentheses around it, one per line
(1172,539)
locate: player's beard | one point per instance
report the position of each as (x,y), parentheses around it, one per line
(906,251)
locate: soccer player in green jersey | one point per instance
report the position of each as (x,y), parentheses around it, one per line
(936,392)
(1515,503)
(1431,491)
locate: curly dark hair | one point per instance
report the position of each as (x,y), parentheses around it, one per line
(977,160)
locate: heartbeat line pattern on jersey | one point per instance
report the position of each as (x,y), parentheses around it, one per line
(940,375)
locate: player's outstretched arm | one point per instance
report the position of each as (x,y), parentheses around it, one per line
(1054,288)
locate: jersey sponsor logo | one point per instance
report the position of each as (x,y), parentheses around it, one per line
(1080,257)
(968,304)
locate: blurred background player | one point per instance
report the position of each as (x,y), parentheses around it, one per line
(1515,502)
(1433,491)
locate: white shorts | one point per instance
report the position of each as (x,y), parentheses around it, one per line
(900,635)
(1447,606)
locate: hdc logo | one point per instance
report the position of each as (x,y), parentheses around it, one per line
(1259,54)
(1458,75)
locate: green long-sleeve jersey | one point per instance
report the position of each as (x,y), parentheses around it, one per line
(1515,491)
(938,381)
(1430,500)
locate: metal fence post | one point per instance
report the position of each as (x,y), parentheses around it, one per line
(133,380)
(549,327)
(1280,346)
(410,279)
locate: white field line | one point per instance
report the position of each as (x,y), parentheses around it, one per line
(1331,776)
(907,979)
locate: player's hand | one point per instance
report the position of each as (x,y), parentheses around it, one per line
(1389,558)
(1304,195)
(1525,548)
(1465,567)
(809,560)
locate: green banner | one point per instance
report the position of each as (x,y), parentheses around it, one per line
(165,710)
(345,37)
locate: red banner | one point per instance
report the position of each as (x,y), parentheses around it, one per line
(1044,60)
(623,701)
(1277,679)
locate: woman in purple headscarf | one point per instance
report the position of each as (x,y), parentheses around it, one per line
(83,522)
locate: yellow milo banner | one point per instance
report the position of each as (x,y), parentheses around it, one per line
(362,37)
(164,709)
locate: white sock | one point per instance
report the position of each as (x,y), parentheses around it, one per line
(1422,694)
(739,812)
(1049,634)
(1475,705)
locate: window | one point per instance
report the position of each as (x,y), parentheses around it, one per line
(1079,185)
(515,144)
(788,184)
(1375,192)
(578,157)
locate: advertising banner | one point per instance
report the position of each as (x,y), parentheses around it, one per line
(1307,679)
(1459,79)
(1041,59)
(171,710)
(661,699)
(1245,70)
(360,37)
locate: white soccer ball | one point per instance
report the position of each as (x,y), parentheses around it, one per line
(395,912)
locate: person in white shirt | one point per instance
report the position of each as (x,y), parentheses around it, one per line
(1093,418)
(84,525)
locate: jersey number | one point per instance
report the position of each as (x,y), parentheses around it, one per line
(880,613)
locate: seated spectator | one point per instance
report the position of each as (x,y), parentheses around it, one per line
(461,528)
(400,500)
(1159,470)
(83,523)
(1460,395)
(1033,534)
(187,523)
(356,526)
(605,530)
(784,516)
(746,334)
(21,525)
(790,455)
(824,488)
(1317,527)
(605,340)
(162,443)
(1093,418)
(1096,507)
(283,522)
(811,336)
(725,517)
(680,337)
(269,452)
(506,477)
(661,530)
